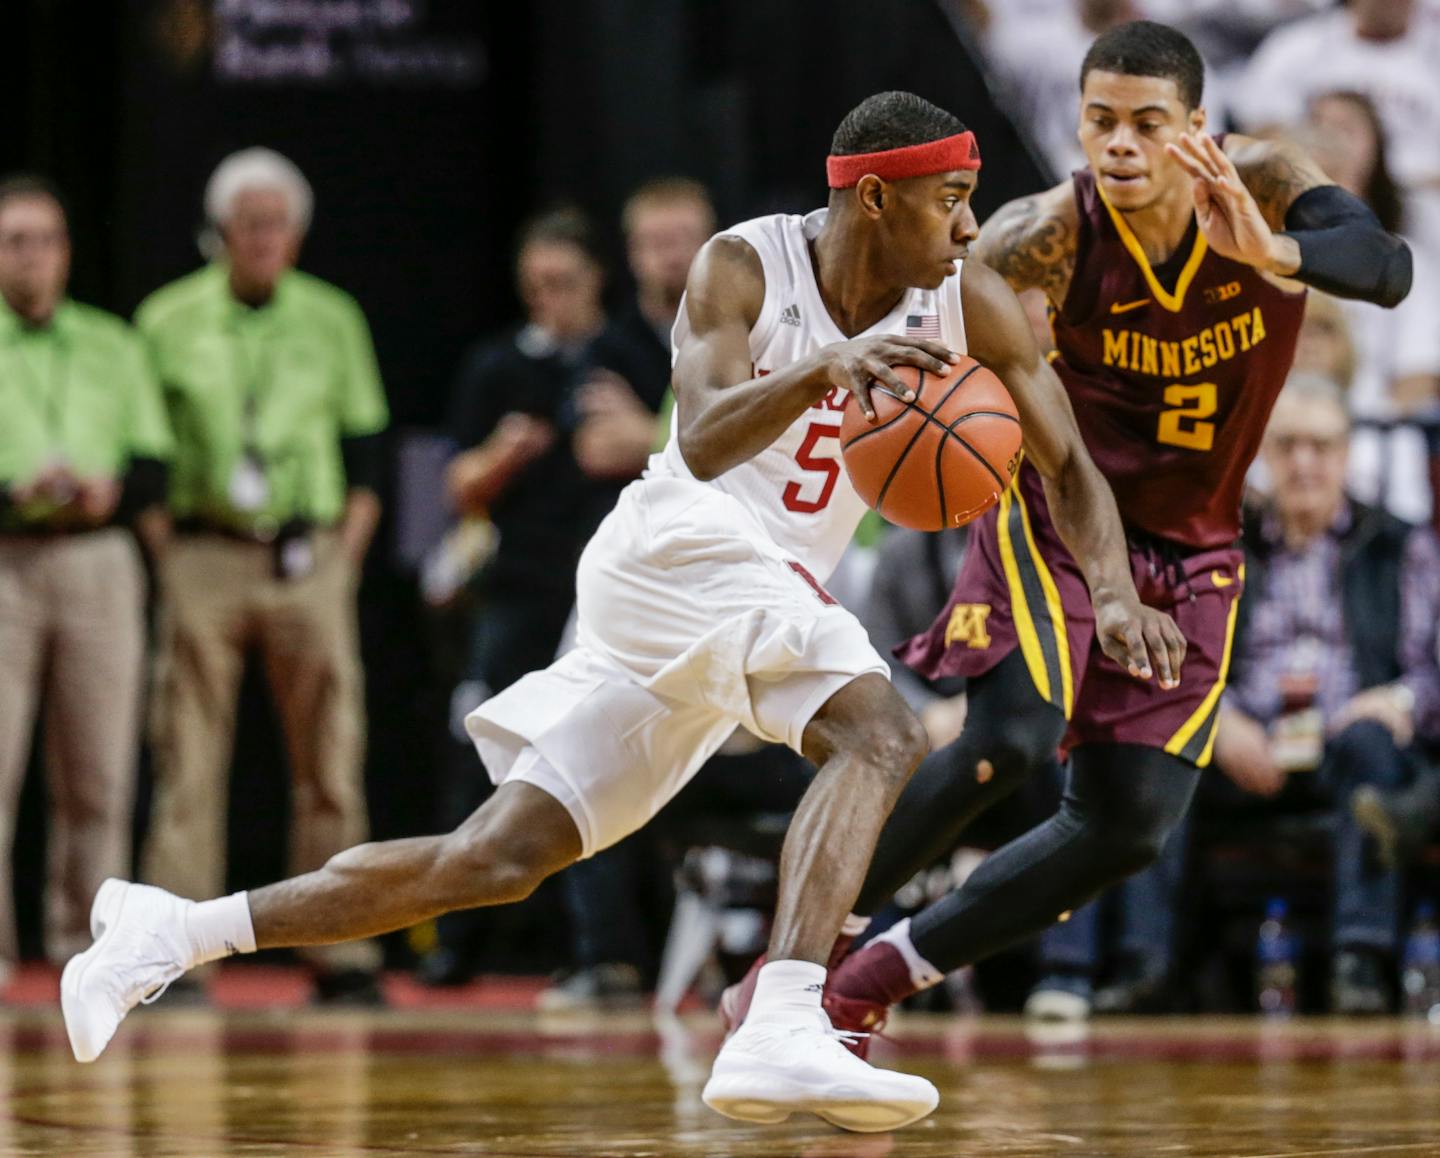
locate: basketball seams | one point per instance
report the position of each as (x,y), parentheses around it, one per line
(983,461)
(940,455)
(929,417)
(969,414)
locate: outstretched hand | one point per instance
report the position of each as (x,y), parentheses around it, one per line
(1228,214)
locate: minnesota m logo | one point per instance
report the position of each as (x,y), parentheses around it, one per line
(967,625)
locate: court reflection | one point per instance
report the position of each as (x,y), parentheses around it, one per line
(199,1083)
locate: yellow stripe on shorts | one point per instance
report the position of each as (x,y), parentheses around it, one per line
(1035,605)
(1205,720)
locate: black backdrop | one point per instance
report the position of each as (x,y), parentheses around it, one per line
(429,129)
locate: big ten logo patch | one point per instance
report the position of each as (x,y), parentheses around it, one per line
(967,625)
(1216,294)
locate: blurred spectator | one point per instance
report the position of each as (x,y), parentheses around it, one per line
(1397,352)
(1375,47)
(275,397)
(1325,347)
(1036,55)
(665,221)
(516,467)
(515,464)
(82,451)
(1227,32)
(1037,64)
(1343,696)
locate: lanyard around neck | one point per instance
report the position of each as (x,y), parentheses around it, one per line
(251,372)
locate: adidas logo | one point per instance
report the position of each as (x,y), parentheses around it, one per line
(790,315)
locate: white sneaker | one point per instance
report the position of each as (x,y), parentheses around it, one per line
(766,1071)
(1057,1005)
(139,949)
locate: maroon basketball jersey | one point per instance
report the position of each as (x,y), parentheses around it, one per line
(1172,371)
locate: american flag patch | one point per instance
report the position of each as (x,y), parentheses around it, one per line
(923,326)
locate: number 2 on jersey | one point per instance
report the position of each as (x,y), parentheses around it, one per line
(1183,424)
(806,457)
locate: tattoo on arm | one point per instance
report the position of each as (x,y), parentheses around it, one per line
(1029,247)
(1279,175)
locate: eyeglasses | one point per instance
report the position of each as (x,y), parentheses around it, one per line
(1316,444)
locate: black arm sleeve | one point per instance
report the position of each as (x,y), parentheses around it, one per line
(364,462)
(1345,251)
(146,484)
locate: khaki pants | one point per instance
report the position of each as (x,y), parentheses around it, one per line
(72,631)
(220,599)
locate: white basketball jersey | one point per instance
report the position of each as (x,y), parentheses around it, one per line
(797,487)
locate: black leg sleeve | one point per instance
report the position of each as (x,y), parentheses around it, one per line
(1008,725)
(1120,803)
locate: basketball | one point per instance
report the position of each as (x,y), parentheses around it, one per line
(941,460)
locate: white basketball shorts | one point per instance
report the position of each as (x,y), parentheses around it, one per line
(691,621)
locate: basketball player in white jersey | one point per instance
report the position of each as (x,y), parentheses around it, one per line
(700,608)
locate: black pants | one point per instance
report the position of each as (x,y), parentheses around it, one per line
(1120,802)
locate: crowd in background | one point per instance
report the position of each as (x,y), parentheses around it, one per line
(223,451)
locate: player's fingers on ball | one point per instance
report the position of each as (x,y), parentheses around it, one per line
(939,351)
(889,379)
(917,352)
(860,383)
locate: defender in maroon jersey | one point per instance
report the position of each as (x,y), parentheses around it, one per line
(1175,267)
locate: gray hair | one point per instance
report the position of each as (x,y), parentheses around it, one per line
(1308,388)
(255,168)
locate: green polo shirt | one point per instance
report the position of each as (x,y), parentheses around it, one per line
(79,390)
(301,367)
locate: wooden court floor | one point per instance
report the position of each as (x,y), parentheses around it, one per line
(201,1083)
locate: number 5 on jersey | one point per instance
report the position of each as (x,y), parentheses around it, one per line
(829,467)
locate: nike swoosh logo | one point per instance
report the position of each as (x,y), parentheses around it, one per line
(1126,307)
(1220,580)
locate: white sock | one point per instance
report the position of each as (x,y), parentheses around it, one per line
(922,974)
(854,925)
(219,928)
(787,991)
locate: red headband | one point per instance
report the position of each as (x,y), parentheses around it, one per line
(957,152)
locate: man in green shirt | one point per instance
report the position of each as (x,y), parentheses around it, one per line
(83,441)
(273,391)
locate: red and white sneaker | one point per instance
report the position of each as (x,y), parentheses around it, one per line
(768,1070)
(735,1001)
(857,1019)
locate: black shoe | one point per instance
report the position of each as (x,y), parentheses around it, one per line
(444,968)
(1357,983)
(349,988)
(1400,822)
(615,986)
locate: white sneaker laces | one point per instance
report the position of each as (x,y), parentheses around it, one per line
(829,1033)
(141,964)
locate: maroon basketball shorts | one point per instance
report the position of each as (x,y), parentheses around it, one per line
(1020,587)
